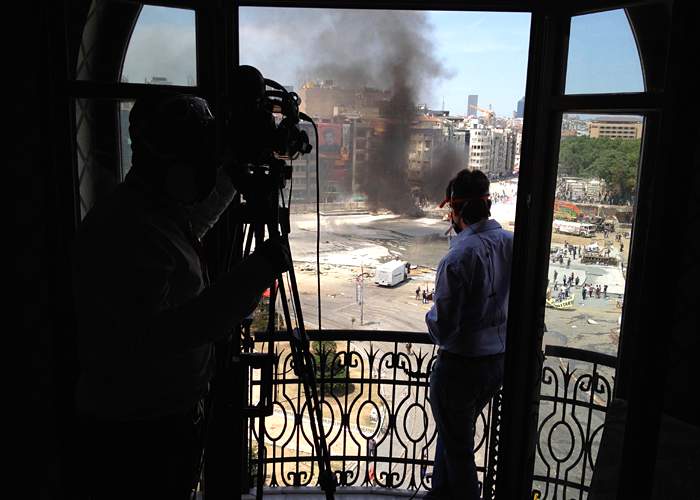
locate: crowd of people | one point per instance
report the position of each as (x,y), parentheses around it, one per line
(598,291)
(563,287)
(503,192)
(566,254)
(425,295)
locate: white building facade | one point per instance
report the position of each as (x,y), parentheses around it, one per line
(493,150)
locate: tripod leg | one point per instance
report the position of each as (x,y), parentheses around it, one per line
(299,345)
(304,362)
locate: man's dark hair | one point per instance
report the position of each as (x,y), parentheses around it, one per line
(468,192)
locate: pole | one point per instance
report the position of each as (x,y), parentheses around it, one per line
(362,295)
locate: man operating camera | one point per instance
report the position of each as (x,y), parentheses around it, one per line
(147,315)
(468,324)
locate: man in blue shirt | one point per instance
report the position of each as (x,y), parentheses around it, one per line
(468,324)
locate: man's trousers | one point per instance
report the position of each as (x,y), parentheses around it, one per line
(460,388)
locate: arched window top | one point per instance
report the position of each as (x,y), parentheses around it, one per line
(162,49)
(603,55)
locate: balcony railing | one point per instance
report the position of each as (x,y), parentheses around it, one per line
(379,425)
(575,391)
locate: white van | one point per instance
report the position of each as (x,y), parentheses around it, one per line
(390,273)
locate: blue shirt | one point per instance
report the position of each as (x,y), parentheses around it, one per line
(472,286)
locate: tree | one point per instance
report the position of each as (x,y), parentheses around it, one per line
(330,370)
(613,160)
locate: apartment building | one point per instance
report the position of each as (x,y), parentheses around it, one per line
(615,129)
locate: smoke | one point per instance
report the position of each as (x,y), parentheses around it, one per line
(386,50)
(390,51)
(447,161)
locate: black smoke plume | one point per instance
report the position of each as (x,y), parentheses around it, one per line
(391,51)
(447,161)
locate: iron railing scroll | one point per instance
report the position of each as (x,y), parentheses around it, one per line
(379,426)
(576,388)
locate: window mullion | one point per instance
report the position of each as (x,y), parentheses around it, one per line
(542,124)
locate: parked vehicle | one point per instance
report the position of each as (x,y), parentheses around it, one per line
(609,225)
(391,273)
(600,223)
(576,228)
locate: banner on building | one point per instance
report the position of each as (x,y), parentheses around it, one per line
(330,137)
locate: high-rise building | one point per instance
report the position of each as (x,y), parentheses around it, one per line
(325,100)
(480,148)
(516,153)
(472,104)
(520,109)
(493,150)
(502,152)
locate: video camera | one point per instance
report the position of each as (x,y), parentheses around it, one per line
(268,134)
(288,140)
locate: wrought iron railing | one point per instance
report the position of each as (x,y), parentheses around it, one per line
(575,391)
(380,428)
(377,416)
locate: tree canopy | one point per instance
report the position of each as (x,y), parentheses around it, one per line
(613,160)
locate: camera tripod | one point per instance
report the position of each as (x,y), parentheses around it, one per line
(263,213)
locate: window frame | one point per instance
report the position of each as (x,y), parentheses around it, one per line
(216,34)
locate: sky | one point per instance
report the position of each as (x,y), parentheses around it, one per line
(479,53)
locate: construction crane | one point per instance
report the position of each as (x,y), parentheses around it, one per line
(490,114)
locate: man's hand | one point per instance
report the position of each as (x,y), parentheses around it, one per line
(277,253)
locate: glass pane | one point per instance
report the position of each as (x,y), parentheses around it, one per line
(603,55)
(389,91)
(162,49)
(594,206)
(589,250)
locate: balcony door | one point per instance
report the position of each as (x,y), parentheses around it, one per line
(589,160)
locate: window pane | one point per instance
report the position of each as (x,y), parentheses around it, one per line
(162,49)
(603,55)
(589,250)
(389,91)
(596,191)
